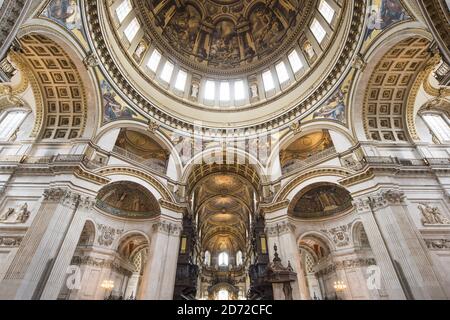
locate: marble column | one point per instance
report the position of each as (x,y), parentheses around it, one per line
(34,259)
(281,233)
(62,262)
(158,280)
(406,267)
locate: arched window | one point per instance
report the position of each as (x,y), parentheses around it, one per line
(207,258)
(10,121)
(223,295)
(439,124)
(223,259)
(239,260)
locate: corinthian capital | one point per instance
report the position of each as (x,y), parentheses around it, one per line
(379,200)
(167,227)
(362,204)
(394,197)
(68,198)
(279,228)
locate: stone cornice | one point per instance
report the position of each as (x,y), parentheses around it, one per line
(173,206)
(273,207)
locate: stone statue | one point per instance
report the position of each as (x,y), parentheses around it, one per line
(7,214)
(432,215)
(254,89)
(195,88)
(23,213)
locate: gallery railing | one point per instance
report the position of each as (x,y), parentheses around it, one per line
(152,164)
(300,164)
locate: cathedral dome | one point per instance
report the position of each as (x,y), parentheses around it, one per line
(226,63)
(225,37)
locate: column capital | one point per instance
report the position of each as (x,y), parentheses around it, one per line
(379,200)
(279,228)
(167,227)
(68,198)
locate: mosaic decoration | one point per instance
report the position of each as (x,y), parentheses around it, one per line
(382,15)
(334,108)
(114,108)
(66,13)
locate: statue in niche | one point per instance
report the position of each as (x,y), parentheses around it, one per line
(308,48)
(194,91)
(140,50)
(254,89)
(5,216)
(23,213)
(432,215)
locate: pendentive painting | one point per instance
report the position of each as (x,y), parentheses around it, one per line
(64,12)
(382,15)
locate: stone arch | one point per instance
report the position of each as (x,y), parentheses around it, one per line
(359,236)
(321,239)
(131,174)
(373,55)
(128,200)
(388,91)
(247,166)
(324,175)
(88,234)
(321,200)
(64,104)
(86,77)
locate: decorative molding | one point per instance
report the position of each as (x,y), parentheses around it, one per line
(10,241)
(273,207)
(280,228)
(432,215)
(68,198)
(170,228)
(101,263)
(438,244)
(340,235)
(131,171)
(284,192)
(107,234)
(173,206)
(346,264)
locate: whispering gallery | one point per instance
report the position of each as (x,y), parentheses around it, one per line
(225,150)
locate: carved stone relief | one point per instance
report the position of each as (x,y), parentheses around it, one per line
(432,215)
(438,244)
(17,215)
(107,234)
(10,241)
(340,235)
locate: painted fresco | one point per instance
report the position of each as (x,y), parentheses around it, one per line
(382,14)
